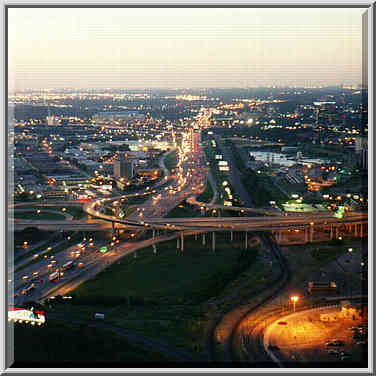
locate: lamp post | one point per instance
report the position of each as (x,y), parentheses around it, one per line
(294,299)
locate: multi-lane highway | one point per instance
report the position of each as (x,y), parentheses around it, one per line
(188,180)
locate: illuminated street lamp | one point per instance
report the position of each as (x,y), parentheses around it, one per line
(350,250)
(294,299)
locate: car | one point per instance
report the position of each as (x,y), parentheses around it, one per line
(333,352)
(361,343)
(337,342)
(282,323)
(273,348)
(345,357)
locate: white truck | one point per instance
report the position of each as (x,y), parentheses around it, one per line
(53,276)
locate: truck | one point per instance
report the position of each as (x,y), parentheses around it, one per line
(30,288)
(67,265)
(99,316)
(322,287)
(53,276)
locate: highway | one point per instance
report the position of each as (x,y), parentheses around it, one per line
(164,198)
(188,181)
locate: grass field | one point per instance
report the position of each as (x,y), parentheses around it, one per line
(170,276)
(75,212)
(181,211)
(31,235)
(41,216)
(207,195)
(58,342)
(168,294)
(171,160)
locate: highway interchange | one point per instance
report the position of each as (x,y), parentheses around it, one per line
(188,180)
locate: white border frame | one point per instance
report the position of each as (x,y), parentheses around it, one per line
(143,3)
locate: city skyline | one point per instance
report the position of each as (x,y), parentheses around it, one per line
(173,48)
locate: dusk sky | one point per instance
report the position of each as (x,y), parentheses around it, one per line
(183,48)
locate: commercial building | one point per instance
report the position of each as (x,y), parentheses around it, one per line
(326,113)
(123,168)
(118,116)
(361,149)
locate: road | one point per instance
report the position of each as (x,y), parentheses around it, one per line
(234,174)
(184,184)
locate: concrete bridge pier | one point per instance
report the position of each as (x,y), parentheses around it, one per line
(177,243)
(246,239)
(306,238)
(153,234)
(196,236)
(154,249)
(278,236)
(331,232)
(232,235)
(181,241)
(311,231)
(361,230)
(356,230)
(213,241)
(203,239)
(337,232)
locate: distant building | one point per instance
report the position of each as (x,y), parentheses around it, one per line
(361,143)
(221,121)
(151,173)
(123,168)
(118,116)
(361,149)
(289,149)
(325,113)
(51,120)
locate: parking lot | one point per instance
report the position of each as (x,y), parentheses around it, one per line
(305,338)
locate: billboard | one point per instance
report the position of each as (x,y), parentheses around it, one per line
(31,316)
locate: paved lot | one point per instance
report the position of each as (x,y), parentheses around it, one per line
(304,338)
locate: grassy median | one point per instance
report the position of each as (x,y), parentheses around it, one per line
(172,294)
(42,216)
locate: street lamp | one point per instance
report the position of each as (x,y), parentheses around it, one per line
(294,299)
